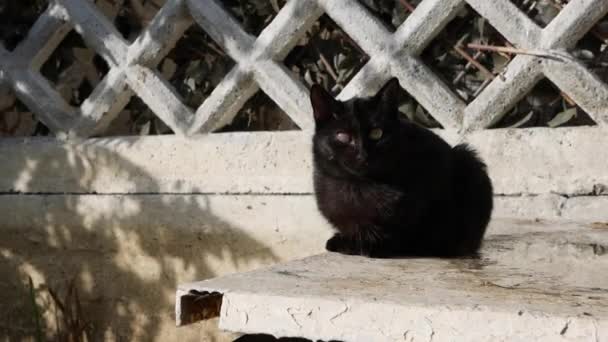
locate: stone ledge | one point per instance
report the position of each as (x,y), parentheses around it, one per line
(535,161)
(533,282)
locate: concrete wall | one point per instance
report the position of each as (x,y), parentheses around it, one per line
(131,218)
(129,252)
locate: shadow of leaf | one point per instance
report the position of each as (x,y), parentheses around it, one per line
(127,252)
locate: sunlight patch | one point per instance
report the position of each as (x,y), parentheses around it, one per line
(25,177)
(132,258)
(94,211)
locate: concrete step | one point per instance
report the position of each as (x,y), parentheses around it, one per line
(534,281)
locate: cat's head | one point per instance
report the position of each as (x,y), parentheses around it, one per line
(353,137)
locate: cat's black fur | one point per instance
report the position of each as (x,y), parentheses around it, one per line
(407,193)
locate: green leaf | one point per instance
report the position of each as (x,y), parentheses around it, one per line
(523,121)
(408,110)
(562,117)
(36,311)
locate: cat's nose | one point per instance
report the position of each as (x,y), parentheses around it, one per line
(361,158)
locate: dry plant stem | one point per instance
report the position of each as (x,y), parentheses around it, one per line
(216,50)
(209,45)
(275,6)
(508,56)
(407,5)
(512,50)
(483,86)
(330,70)
(567,98)
(505,49)
(471,60)
(354,44)
(467,67)
(556,5)
(555,55)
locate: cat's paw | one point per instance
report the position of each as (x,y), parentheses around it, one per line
(334,243)
(340,244)
(344,245)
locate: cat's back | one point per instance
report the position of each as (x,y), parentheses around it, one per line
(473,195)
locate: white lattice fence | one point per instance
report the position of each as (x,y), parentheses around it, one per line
(525,161)
(259,62)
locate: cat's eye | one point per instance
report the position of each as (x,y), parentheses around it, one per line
(343,137)
(375,134)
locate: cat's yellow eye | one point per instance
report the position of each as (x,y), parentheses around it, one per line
(375,134)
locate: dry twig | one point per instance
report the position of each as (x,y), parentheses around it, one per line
(550,54)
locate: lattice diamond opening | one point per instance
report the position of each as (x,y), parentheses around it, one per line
(541,12)
(592,50)
(316,58)
(260,113)
(137,119)
(415,112)
(391,12)
(254,16)
(18,121)
(130,17)
(462,60)
(195,66)
(545,106)
(18,16)
(74,69)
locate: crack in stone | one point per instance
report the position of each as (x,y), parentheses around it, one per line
(430,323)
(345,310)
(595,330)
(299,312)
(293,318)
(565,328)
(561,205)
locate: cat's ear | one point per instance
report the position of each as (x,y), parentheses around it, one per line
(322,103)
(389,95)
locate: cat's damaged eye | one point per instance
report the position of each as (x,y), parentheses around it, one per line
(375,134)
(343,137)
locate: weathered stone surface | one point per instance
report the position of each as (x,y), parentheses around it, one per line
(128,253)
(552,207)
(534,281)
(520,161)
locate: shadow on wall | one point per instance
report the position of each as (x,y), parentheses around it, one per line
(123,251)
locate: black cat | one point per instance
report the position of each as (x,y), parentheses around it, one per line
(391,187)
